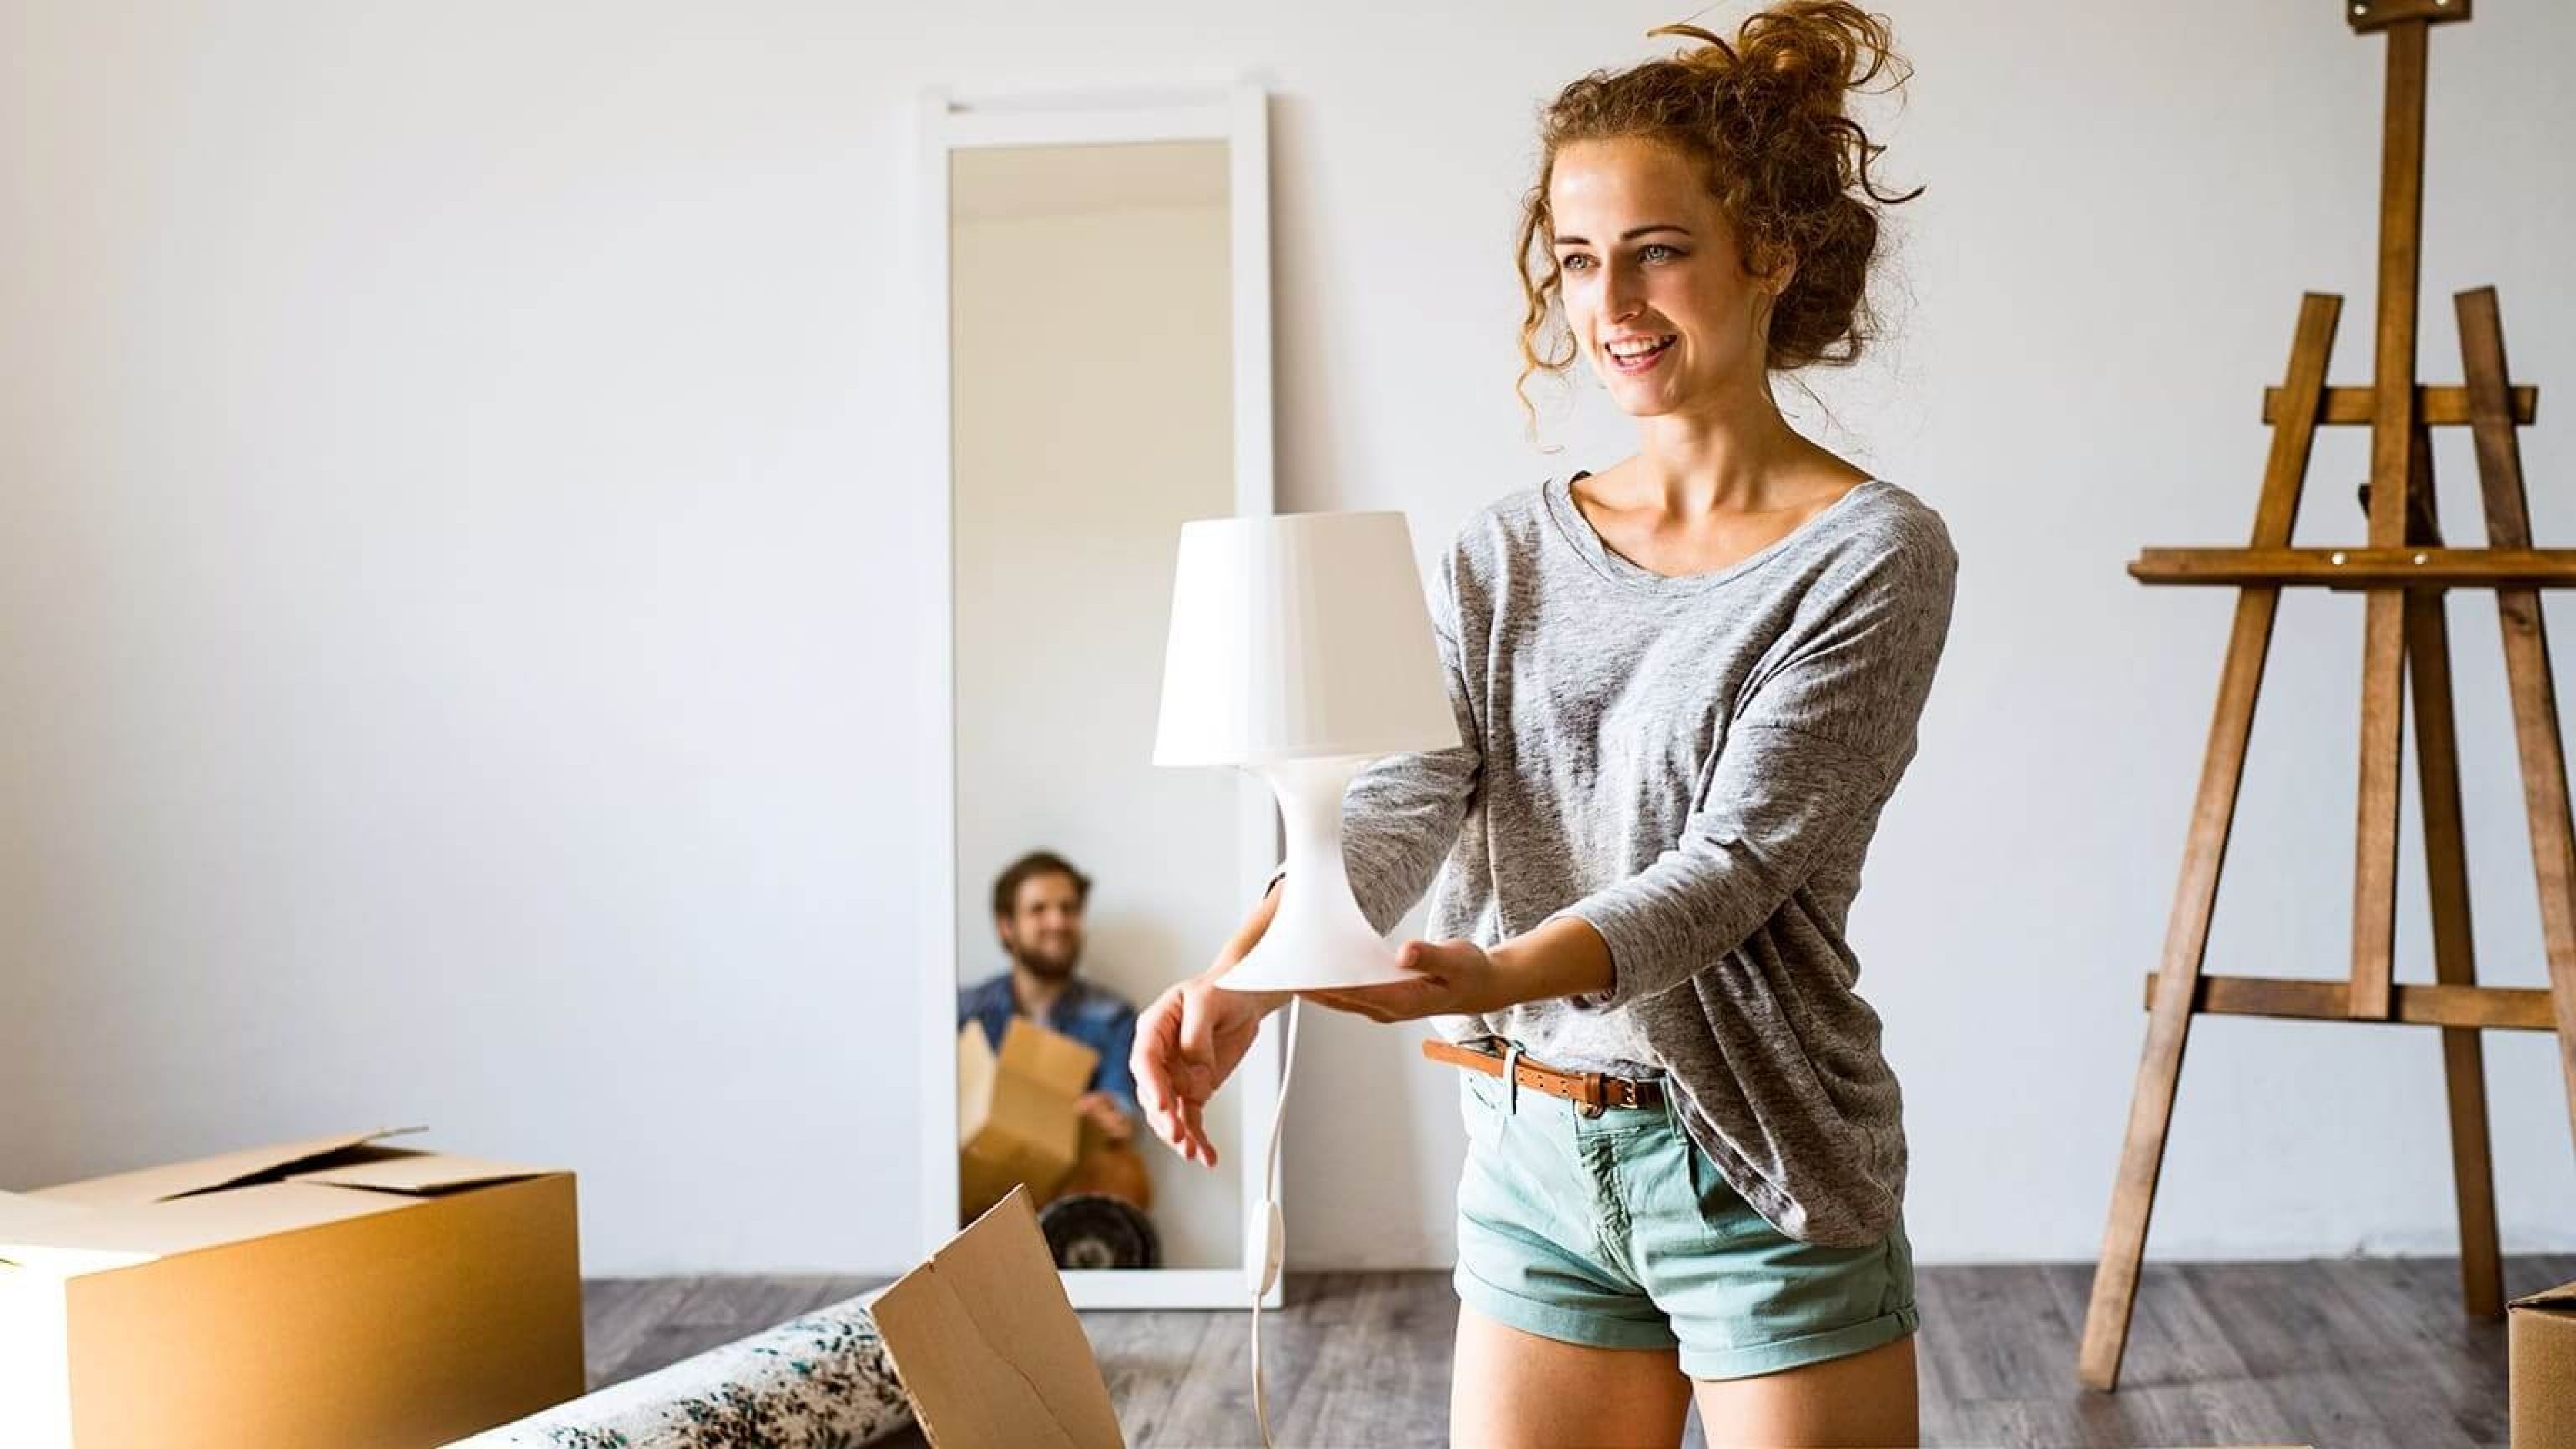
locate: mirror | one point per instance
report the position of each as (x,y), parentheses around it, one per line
(1097,281)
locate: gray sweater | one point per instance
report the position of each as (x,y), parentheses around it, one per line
(1694,766)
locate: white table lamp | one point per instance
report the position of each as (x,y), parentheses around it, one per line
(1301,650)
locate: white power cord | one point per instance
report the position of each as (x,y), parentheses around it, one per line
(1268,1230)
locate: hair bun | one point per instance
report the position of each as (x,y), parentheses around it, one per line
(1811,51)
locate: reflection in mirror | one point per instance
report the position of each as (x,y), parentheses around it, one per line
(1092,389)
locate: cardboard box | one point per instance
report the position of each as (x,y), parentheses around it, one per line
(2540,1334)
(1017,1124)
(987,1345)
(326,1293)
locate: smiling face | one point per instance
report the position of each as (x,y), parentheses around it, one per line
(1653,283)
(1044,930)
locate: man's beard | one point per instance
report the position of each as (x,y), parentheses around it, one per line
(1046,967)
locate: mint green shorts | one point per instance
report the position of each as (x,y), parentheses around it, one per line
(1617,1231)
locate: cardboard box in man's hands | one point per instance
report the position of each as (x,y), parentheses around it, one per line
(1018,1122)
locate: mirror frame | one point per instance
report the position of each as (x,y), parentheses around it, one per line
(1238,114)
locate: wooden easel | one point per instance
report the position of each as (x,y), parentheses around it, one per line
(2403,572)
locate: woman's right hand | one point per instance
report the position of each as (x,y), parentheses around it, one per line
(1187,1043)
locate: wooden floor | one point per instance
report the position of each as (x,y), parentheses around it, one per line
(2347,1353)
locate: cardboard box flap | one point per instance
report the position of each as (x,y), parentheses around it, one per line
(27,1226)
(394,1169)
(20,1213)
(53,1262)
(208,1174)
(2561,1299)
(87,1240)
(987,1345)
(1059,1062)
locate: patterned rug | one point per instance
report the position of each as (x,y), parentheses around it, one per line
(822,1381)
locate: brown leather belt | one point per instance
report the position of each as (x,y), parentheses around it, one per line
(1592,1093)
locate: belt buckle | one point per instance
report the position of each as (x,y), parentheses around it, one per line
(1596,1095)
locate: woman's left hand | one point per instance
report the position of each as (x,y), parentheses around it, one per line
(1452,978)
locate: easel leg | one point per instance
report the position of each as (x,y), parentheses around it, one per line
(2142,1152)
(2526,662)
(2428,671)
(2454,958)
(2393,419)
(2383,741)
(2124,1241)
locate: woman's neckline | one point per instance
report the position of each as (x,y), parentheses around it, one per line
(1627,572)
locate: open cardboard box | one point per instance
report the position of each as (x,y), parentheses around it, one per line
(1017,1119)
(2540,1334)
(987,1345)
(335,1292)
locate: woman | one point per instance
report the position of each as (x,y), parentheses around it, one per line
(1687,685)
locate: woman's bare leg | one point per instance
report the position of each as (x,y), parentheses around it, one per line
(1862,1399)
(1514,1390)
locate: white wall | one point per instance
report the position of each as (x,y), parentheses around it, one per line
(461,483)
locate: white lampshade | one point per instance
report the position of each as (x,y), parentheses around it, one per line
(1301,649)
(1299,636)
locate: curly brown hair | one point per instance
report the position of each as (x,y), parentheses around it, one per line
(1763,119)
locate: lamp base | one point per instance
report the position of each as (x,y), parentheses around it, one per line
(1311,970)
(1317,940)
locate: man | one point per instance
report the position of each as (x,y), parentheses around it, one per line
(1037,912)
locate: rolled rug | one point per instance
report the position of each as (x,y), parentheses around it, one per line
(821,1381)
